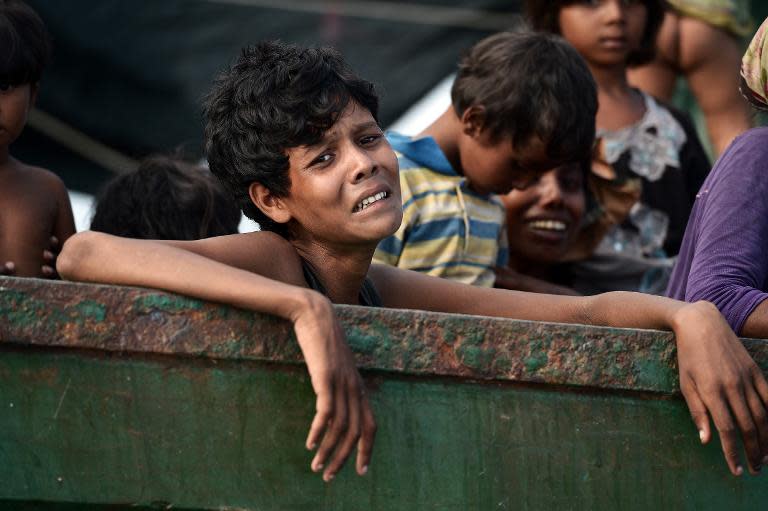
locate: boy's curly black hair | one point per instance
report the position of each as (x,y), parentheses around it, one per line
(274,97)
(25,44)
(166,198)
(531,85)
(544,15)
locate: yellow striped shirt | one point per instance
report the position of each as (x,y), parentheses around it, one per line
(448,230)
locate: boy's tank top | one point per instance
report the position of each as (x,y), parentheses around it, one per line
(369,297)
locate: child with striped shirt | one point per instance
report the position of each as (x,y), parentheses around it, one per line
(522,104)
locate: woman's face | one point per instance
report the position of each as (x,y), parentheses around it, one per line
(604,32)
(544,218)
(345,190)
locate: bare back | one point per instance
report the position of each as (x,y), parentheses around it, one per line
(34,206)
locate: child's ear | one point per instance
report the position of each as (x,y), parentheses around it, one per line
(473,120)
(269,203)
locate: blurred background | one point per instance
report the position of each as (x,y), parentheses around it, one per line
(126,77)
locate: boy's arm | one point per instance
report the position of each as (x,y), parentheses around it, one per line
(343,415)
(717,375)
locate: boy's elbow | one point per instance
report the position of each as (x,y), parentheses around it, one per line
(75,253)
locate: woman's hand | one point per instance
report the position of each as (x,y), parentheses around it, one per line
(343,415)
(718,378)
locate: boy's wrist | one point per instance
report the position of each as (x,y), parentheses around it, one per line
(301,301)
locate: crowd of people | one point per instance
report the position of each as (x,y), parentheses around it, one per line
(550,176)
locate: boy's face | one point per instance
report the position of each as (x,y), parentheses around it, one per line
(543,219)
(15,102)
(345,190)
(495,166)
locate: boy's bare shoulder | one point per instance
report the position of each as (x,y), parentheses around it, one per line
(262,252)
(44,176)
(24,175)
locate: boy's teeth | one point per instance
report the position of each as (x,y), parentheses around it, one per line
(370,200)
(549,225)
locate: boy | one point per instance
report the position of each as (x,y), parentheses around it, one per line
(166,198)
(523,103)
(292,132)
(34,205)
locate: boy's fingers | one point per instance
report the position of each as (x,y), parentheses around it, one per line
(749,431)
(729,437)
(760,418)
(351,436)
(323,413)
(54,241)
(761,388)
(335,429)
(48,271)
(367,436)
(48,256)
(698,412)
(8,268)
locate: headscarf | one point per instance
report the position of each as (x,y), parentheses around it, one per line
(754,69)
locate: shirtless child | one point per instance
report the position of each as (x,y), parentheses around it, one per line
(34,205)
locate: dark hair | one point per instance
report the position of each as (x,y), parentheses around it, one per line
(168,199)
(274,97)
(25,44)
(530,85)
(544,16)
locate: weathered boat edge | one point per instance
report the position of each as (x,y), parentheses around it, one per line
(127,319)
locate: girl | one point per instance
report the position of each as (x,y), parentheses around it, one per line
(293,134)
(641,141)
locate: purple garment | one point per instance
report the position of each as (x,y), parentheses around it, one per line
(724,255)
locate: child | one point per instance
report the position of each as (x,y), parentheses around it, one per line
(543,221)
(34,204)
(166,199)
(513,115)
(640,139)
(293,134)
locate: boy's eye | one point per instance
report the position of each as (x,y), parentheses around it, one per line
(323,158)
(370,139)
(5,87)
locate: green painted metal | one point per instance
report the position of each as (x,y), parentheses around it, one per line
(123,398)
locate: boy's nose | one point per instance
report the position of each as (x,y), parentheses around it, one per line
(363,166)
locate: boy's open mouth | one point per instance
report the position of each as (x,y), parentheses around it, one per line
(370,200)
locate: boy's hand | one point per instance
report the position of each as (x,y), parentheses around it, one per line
(49,258)
(48,268)
(718,378)
(343,415)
